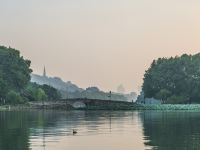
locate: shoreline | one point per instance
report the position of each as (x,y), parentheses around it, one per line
(133,106)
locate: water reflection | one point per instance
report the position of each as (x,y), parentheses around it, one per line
(14,133)
(97,130)
(39,130)
(171,130)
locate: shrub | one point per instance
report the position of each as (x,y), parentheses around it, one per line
(13,97)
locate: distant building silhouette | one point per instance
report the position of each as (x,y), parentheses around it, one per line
(44,72)
(121,89)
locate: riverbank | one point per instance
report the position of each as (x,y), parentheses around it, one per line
(37,106)
(64,106)
(113,106)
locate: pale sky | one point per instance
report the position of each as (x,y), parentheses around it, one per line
(100,42)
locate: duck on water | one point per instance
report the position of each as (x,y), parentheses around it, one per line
(74,131)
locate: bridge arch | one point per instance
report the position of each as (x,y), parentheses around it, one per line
(79,104)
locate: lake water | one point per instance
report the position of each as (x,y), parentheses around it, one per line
(99,130)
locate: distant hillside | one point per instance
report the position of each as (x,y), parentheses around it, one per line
(70,90)
(56,83)
(95,95)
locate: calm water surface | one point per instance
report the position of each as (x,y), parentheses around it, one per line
(99,130)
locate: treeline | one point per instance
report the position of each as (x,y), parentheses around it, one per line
(15,85)
(174,80)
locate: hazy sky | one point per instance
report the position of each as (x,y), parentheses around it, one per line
(99,42)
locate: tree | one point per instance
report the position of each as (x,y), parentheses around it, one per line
(13,97)
(3,89)
(41,96)
(51,92)
(33,92)
(174,78)
(163,94)
(14,71)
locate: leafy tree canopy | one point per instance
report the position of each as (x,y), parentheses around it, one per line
(35,92)
(14,70)
(51,92)
(174,80)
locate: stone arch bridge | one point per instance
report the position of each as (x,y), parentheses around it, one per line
(84,102)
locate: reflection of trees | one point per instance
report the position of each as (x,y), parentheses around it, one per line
(172,130)
(14,134)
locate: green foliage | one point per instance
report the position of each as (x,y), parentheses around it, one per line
(35,92)
(15,69)
(31,92)
(14,72)
(174,80)
(41,96)
(51,92)
(163,94)
(3,88)
(13,97)
(175,99)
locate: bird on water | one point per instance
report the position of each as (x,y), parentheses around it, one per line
(74,131)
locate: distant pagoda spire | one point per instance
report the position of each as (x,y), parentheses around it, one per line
(44,72)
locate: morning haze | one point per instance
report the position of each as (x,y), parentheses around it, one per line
(99,42)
